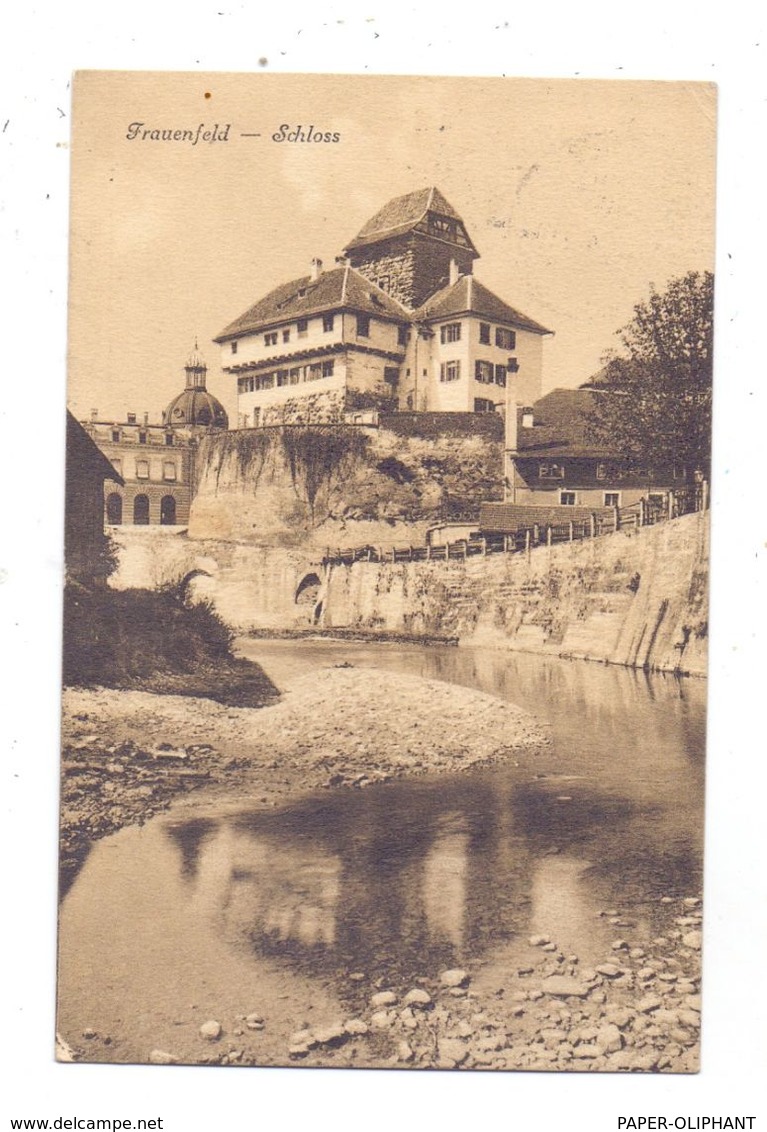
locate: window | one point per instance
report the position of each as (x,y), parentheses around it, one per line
(242,385)
(610,472)
(302,326)
(327,368)
(506,339)
(402,336)
(484,372)
(295,375)
(168,439)
(679,472)
(567,498)
(283,376)
(328,322)
(314,371)
(168,511)
(141,510)
(391,375)
(484,333)
(612,499)
(169,470)
(363,326)
(114,509)
(286,335)
(550,471)
(450,332)
(142,469)
(115,436)
(450,371)
(270,339)
(483,405)
(266,381)
(142,438)
(233,347)
(131,418)
(384,282)
(500,375)
(256,417)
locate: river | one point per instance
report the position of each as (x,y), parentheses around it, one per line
(404,879)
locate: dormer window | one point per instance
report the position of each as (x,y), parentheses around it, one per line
(115,436)
(142,437)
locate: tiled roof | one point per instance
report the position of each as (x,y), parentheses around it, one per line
(342,287)
(561,425)
(469,296)
(402,214)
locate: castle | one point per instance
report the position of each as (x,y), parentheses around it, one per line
(399,323)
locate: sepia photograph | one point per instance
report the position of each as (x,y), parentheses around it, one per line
(385,623)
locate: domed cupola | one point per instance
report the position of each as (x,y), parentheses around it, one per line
(195,407)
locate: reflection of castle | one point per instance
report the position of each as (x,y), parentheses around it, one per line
(156,461)
(399,323)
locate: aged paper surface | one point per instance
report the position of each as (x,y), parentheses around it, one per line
(342,783)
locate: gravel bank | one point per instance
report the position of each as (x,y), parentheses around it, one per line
(128,754)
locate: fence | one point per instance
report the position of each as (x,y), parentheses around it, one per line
(645,513)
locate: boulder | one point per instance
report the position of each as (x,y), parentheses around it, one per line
(455,977)
(418,997)
(383,998)
(162,1057)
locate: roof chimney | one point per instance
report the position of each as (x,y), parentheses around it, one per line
(316,269)
(94,414)
(454,272)
(146,418)
(527,417)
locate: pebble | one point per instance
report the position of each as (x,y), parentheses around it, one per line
(383,998)
(303,1038)
(405,1052)
(620,945)
(452,1051)
(89,1033)
(161,1057)
(382,1019)
(456,977)
(329,1035)
(609,1039)
(649,1003)
(539,940)
(418,997)
(564,985)
(693,1001)
(211,1030)
(646,973)
(693,940)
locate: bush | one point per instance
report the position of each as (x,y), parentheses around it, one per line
(150,639)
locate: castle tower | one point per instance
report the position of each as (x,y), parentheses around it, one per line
(408,246)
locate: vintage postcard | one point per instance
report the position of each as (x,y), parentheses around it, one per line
(385,623)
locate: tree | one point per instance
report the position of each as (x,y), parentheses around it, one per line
(656,402)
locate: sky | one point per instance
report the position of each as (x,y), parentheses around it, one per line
(578,194)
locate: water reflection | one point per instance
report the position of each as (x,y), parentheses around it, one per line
(399,880)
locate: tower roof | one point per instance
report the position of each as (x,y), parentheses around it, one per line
(195,408)
(468,296)
(406,214)
(342,287)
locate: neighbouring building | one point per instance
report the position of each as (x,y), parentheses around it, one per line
(556,461)
(88,474)
(399,323)
(155,462)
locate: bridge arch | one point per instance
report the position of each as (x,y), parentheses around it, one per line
(308,589)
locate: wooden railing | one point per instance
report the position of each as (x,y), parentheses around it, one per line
(645,513)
